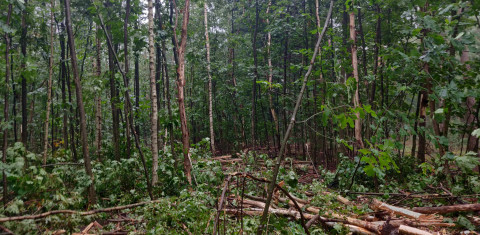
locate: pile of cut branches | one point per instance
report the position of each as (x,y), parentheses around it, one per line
(384,218)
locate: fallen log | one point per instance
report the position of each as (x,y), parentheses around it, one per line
(81,213)
(403,229)
(447,209)
(378,205)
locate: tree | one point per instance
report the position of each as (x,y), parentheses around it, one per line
(356,97)
(98,98)
(128,118)
(5,107)
(153,94)
(23,45)
(78,91)
(49,88)
(180,51)
(210,106)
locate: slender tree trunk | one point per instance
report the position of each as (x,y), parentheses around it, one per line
(270,80)
(415,128)
(422,124)
(23,45)
(255,75)
(181,96)
(378,42)
(63,71)
(98,97)
(137,85)
(470,114)
(78,91)
(356,98)
(291,124)
(114,99)
(49,88)
(153,94)
(128,118)
(210,105)
(5,107)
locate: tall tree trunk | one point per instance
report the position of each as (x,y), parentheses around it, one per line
(356,98)
(270,80)
(128,118)
(114,99)
(153,94)
(137,84)
(210,106)
(98,97)
(255,75)
(63,71)
(23,45)
(281,154)
(181,96)
(5,107)
(78,91)
(49,88)
(378,42)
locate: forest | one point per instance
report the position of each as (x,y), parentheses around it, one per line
(240,117)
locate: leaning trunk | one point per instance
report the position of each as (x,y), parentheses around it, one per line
(81,107)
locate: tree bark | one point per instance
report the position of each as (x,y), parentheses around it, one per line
(210,105)
(78,91)
(49,88)
(153,95)
(281,154)
(5,107)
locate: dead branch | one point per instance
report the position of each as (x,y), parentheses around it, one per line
(378,205)
(220,204)
(84,213)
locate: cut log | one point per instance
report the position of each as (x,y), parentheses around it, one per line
(354,229)
(403,229)
(378,205)
(447,209)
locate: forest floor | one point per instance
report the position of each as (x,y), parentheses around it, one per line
(315,208)
(233,198)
